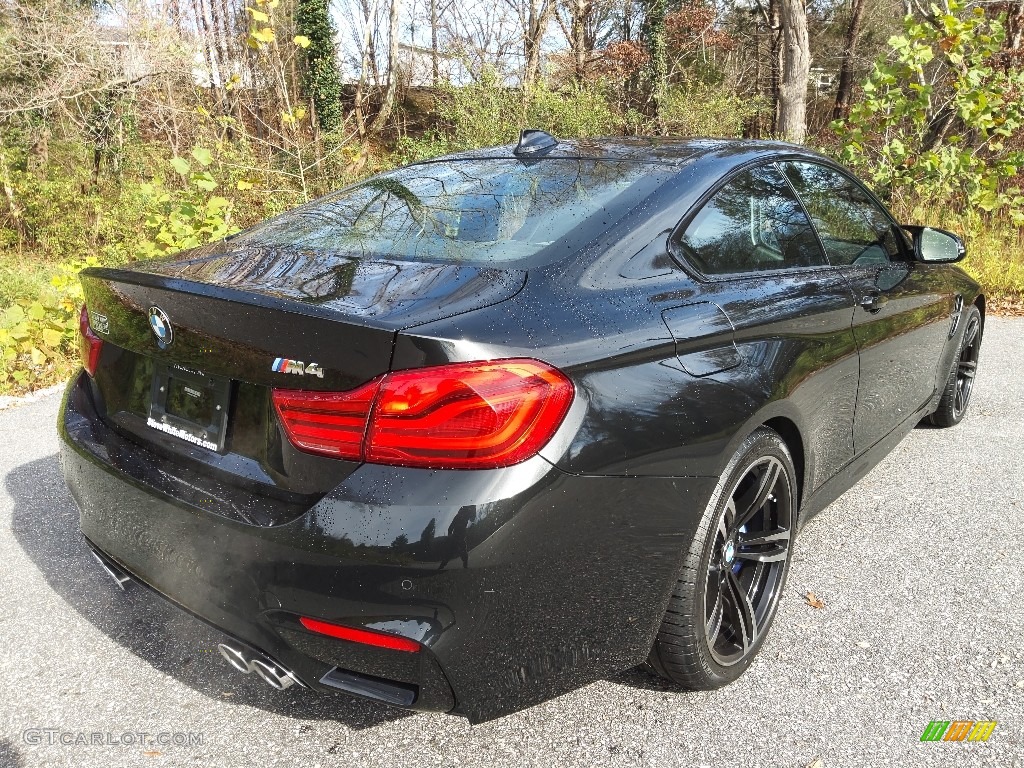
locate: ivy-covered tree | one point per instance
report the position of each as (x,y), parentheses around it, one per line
(655,79)
(320,80)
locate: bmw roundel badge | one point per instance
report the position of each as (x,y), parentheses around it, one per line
(160,324)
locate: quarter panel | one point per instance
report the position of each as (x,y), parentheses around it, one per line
(646,415)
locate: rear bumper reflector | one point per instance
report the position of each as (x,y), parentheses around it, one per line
(362,636)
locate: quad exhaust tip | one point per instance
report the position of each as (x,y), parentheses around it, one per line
(246,661)
(242,659)
(119,576)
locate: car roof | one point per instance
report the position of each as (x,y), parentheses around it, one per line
(644,149)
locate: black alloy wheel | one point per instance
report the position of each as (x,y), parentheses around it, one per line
(734,573)
(749,558)
(960,385)
(967,366)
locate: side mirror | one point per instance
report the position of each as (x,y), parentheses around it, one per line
(936,246)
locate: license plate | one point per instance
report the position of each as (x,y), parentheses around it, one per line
(190,406)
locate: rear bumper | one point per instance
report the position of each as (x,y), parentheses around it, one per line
(520,583)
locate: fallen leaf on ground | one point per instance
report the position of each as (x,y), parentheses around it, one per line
(816,762)
(813,600)
(151,753)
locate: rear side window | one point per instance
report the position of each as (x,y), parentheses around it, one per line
(483,211)
(853,228)
(752,224)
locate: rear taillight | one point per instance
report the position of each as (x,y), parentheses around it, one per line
(467,415)
(89,344)
(329,423)
(462,416)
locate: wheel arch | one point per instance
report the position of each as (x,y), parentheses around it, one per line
(791,436)
(785,419)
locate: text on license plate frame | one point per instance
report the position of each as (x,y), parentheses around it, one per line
(211,391)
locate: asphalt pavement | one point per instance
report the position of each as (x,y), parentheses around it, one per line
(919,568)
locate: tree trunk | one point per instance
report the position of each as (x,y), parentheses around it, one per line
(434,74)
(367,52)
(210,48)
(1014,26)
(657,68)
(388,104)
(14,211)
(220,41)
(796,67)
(580,10)
(845,92)
(369,40)
(776,52)
(536,24)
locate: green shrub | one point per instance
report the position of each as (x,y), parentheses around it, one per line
(939,116)
(701,109)
(39,337)
(486,113)
(188,216)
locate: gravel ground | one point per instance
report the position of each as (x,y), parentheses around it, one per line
(918,567)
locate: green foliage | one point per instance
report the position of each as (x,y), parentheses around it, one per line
(707,110)
(576,112)
(188,216)
(38,337)
(995,249)
(39,319)
(66,216)
(22,278)
(939,115)
(486,113)
(320,80)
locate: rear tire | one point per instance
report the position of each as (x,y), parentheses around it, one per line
(956,395)
(734,571)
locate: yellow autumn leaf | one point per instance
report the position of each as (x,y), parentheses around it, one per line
(243,185)
(52,338)
(301,40)
(257,15)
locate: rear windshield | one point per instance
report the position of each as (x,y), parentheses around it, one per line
(488,212)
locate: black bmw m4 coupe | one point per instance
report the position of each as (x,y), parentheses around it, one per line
(480,430)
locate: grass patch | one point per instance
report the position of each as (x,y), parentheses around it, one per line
(995,258)
(995,252)
(23,276)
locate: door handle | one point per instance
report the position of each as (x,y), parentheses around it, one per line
(873,302)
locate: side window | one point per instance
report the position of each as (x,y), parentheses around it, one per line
(752,224)
(853,228)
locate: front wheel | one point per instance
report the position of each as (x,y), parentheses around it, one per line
(960,383)
(734,572)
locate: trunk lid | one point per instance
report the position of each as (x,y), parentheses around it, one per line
(235,311)
(245,320)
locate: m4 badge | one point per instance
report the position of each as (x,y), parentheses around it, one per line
(284,365)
